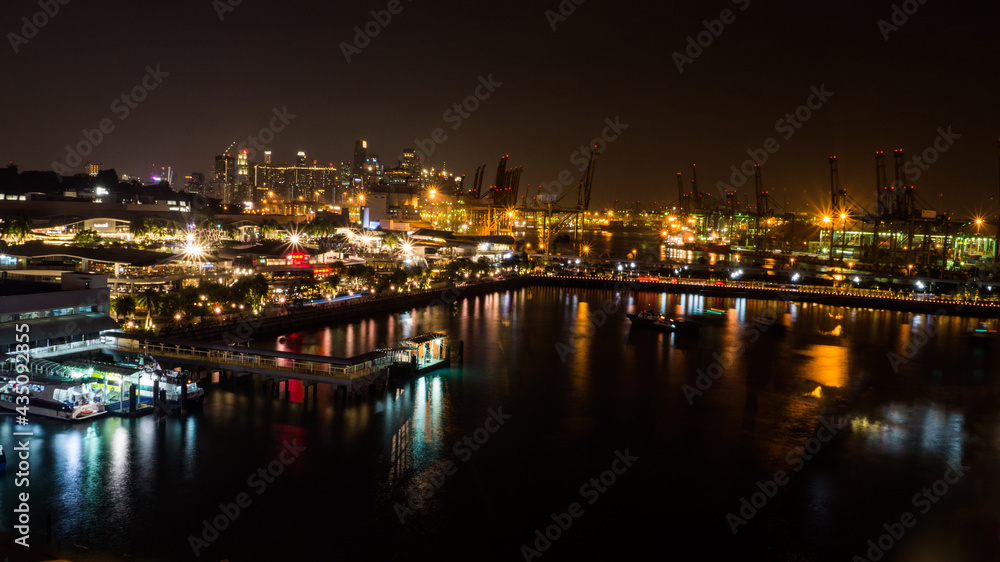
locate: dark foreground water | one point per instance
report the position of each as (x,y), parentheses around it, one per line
(597,434)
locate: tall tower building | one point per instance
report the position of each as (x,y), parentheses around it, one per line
(300,160)
(195,183)
(267,157)
(242,177)
(225,178)
(360,159)
(411,161)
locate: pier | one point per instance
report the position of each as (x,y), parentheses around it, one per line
(352,375)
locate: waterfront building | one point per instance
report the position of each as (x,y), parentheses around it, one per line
(74,309)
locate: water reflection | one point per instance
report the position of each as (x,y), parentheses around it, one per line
(614,386)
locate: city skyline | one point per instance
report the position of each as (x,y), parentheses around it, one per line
(752,79)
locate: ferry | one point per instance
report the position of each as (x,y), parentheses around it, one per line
(649,319)
(54,400)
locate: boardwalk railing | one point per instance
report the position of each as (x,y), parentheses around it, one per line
(252,360)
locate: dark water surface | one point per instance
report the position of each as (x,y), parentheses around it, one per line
(579,387)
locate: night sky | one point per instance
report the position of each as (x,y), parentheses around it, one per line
(557,88)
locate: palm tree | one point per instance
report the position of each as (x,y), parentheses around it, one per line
(17,228)
(390,241)
(268,226)
(124,306)
(150,300)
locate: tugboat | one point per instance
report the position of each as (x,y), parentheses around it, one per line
(649,319)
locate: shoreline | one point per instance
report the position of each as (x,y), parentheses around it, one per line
(329,314)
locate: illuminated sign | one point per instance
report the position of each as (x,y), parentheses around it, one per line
(101,225)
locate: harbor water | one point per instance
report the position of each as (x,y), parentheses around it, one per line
(563,433)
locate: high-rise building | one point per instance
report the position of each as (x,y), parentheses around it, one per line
(93,169)
(411,161)
(195,183)
(243,192)
(267,157)
(223,186)
(360,158)
(282,188)
(300,160)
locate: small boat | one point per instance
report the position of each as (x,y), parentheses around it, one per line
(984,332)
(710,316)
(649,319)
(171,382)
(62,401)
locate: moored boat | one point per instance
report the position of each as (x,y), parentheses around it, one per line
(649,319)
(53,400)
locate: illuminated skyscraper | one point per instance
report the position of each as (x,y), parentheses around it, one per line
(225,178)
(300,160)
(411,161)
(360,159)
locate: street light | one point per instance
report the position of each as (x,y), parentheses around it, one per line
(827,221)
(843,236)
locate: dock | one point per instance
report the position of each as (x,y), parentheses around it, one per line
(213,362)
